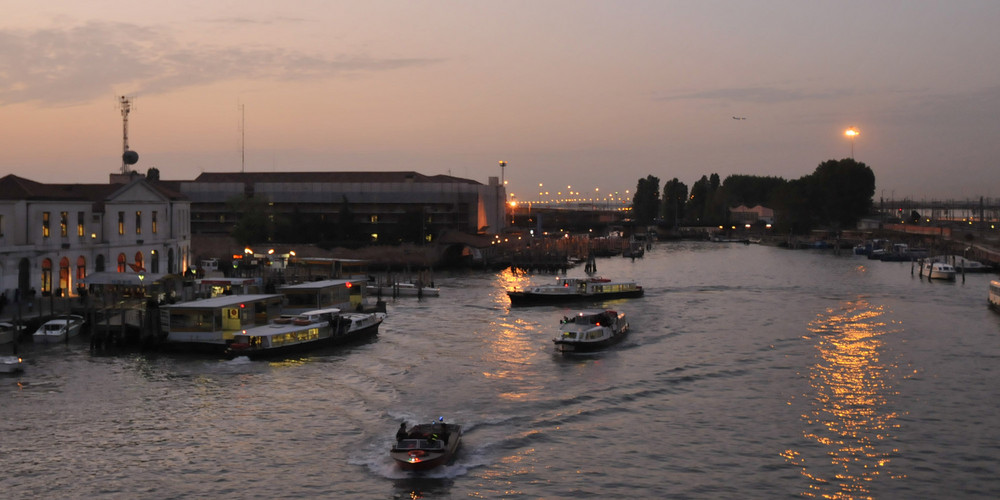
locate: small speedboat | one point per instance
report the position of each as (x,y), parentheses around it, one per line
(11,364)
(58,329)
(426,446)
(591,330)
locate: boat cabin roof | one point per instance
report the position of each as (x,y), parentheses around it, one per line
(222,301)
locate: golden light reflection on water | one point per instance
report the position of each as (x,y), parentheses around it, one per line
(510,344)
(850,415)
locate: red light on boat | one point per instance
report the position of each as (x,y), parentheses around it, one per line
(348,284)
(243,306)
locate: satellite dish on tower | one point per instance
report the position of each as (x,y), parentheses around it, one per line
(130,157)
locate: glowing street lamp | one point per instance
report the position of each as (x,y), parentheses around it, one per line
(851,133)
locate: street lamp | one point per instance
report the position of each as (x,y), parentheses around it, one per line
(851,133)
(502,217)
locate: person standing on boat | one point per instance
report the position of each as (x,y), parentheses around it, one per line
(401,434)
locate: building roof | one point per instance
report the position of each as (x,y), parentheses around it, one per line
(13,187)
(329,177)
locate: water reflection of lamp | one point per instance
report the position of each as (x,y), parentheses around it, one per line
(851,416)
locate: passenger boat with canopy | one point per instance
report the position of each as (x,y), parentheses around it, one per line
(307,330)
(574,289)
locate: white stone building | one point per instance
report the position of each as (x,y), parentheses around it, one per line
(54,235)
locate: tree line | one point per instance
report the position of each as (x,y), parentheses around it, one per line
(835,195)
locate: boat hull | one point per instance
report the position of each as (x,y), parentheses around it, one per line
(572,346)
(10,364)
(520,298)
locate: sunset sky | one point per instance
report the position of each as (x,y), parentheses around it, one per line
(588,94)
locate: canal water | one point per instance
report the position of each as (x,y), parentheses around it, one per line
(749,372)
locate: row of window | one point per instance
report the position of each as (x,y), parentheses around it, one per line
(64,223)
(81,269)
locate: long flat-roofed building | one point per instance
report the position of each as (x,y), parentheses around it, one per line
(375,202)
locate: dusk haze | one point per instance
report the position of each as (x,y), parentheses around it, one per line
(583,96)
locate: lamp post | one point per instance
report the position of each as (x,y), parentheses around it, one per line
(851,133)
(502,201)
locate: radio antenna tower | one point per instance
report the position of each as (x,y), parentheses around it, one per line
(128,157)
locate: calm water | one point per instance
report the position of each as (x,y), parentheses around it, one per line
(750,371)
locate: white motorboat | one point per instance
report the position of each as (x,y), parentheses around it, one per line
(9,332)
(937,270)
(994,298)
(963,265)
(11,364)
(591,330)
(58,329)
(307,330)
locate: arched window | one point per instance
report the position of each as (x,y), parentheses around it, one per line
(138,262)
(81,270)
(171,267)
(64,274)
(99,265)
(154,261)
(121,262)
(46,275)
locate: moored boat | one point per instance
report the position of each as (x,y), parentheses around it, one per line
(426,446)
(308,330)
(209,325)
(591,330)
(58,329)
(574,289)
(11,364)
(403,290)
(994,297)
(931,269)
(9,332)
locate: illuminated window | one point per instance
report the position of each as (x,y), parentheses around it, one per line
(121,224)
(138,222)
(45,224)
(154,221)
(46,275)
(374,219)
(63,223)
(121,263)
(64,275)
(81,270)
(79,223)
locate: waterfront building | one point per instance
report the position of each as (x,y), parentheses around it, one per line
(376,203)
(52,236)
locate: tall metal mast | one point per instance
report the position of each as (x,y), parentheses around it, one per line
(128,157)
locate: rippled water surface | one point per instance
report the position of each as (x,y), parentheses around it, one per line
(750,371)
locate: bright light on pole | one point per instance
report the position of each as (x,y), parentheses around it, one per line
(851,133)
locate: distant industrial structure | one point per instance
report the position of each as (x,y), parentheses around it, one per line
(376,200)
